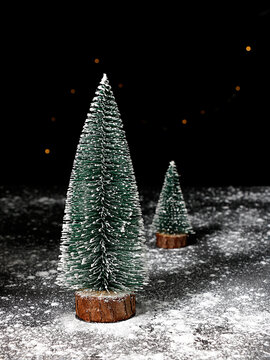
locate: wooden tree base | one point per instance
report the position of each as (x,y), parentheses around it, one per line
(167,241)
(103,306)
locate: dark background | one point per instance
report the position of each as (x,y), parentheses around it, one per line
(173,64)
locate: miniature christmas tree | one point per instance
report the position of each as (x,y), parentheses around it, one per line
(171,221)
(102,244)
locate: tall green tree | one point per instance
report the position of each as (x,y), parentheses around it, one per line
(171,215)
(102,243)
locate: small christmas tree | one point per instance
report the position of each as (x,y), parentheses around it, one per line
(171,221)
(102,244)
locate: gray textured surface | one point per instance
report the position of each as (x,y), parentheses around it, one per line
(210,300)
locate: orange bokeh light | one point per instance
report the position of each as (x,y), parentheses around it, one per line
(47,151)
(72,91)
(248,48)
(184,121)
(96,61)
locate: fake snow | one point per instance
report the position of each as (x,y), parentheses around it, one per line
(104,294)
(209,300)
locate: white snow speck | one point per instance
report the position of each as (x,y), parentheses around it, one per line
(55,304)
(42,273)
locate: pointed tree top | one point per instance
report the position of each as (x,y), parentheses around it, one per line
(104,79)
(172,167)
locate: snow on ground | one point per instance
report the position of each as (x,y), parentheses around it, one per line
(209,300)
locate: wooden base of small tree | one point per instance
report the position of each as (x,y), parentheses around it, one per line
(168,241)
(103,306)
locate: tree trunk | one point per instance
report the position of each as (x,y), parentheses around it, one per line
(103,306)
(168,241)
